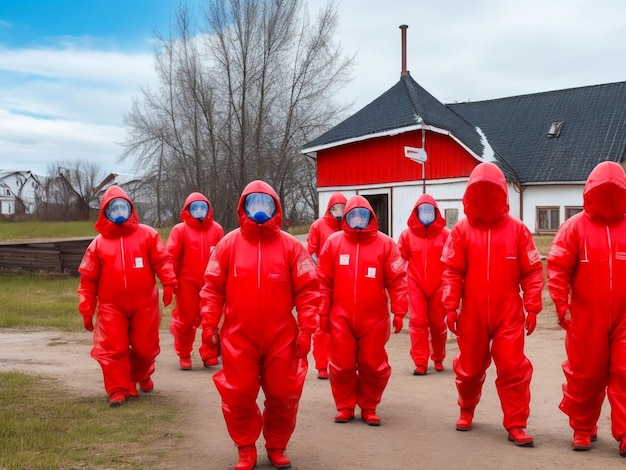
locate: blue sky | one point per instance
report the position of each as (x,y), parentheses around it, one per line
(69,69)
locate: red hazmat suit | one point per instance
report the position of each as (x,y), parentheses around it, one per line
(421,247)
(319,232)
(255,277)
(586,273)
(117,275)
(357,269)
(489,255)
(189,245)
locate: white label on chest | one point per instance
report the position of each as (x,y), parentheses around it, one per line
(344,260)
(371,272)
(139,262)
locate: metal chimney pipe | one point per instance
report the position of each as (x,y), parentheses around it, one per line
(404,70)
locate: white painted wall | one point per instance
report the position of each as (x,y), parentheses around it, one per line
(449,194)
(19,183)
(562,195)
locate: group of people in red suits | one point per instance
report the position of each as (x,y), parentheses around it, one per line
(482,280)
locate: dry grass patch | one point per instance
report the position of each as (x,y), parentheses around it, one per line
(41,427)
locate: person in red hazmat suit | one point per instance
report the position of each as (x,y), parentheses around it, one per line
(586,271)
(421,244)
(488,257)
(319,232)
(256,275)
(118,285)
(358,268)
(189,245)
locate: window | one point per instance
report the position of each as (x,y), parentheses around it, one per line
(555,129)
(452,217)
(570,211)
(7,192)
(547,218)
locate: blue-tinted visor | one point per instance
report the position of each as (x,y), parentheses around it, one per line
(358,218)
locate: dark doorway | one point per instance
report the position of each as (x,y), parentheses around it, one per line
(380,204)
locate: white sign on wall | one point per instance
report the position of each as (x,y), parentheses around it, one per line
(415,154)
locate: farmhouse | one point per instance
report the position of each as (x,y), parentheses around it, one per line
(406,142)
(17,192)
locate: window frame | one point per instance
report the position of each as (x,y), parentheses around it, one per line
(549,209)
(578,209)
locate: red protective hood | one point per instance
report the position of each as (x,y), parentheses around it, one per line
(361,234)
(418,227)
(604,195)
(110,229)
(249,228)
(486,197)
(185,215)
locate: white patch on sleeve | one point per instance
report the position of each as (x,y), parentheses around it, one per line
(398,265)
(534,257)
(213,268)
(304,266)
(557,251)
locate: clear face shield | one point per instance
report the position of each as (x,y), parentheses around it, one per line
(118,210)
(336,210)
(199,210)
(426,214)
(358,218)
(259,207)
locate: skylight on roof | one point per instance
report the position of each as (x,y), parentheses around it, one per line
(555,129)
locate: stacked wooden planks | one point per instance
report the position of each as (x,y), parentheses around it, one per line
(55,256)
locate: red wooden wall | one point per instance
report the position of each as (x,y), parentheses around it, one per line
(382,160)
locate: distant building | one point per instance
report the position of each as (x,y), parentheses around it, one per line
(18,191)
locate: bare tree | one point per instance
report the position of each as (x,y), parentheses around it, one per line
(68,191)
(237,102)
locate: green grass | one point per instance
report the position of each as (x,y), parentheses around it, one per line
(298,229)
(36,301)
(20,231)
(29,230)
(43,427)
(543,243)
(32,301)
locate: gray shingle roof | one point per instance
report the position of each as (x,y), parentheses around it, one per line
(516,128)
(594,130)
(406,104)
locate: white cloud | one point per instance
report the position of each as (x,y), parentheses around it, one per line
(483,49)
(66,104)
(112,68)
(34,143)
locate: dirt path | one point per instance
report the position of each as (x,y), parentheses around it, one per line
(418,413)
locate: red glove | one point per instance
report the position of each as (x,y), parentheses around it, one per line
(451,318)
(168,295)
(325,323)
(397,322)
(215,336)
(531,323)
(303,344)
(88,322)
(565,320)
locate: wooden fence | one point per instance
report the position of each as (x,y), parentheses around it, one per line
(49,256)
